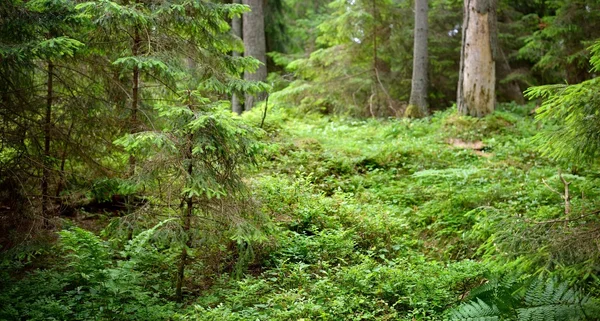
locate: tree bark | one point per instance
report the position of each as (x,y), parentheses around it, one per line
(236,29)
(373,98)
(476,93)
(187,221)
(187,217)
(255,46)
(418,93)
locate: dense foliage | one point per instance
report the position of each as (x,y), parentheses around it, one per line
(130,191)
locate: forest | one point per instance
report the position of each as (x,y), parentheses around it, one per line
(300,160)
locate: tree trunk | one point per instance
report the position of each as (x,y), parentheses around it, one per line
(418,93)
(135,95)
(255,46)
(476,95)
(188,155)
(63,160)
(373,98)
(184,255)
(47,129)
(236,29)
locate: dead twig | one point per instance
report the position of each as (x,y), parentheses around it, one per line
(565,196)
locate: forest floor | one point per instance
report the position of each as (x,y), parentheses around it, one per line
(362,220)
(398,219)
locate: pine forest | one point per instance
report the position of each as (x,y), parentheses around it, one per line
(258,160)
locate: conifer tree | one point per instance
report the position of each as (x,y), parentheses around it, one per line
(38,34)
(192,141)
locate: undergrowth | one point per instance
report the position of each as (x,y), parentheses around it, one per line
(369,220)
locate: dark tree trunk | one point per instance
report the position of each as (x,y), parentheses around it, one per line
(255,46)
(476,95)
(135,95)
(47,133)
(187,216)
(63,160)
(418,93)
(187,222)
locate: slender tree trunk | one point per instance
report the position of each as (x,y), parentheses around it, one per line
(63,160)
(187,222)
(255,44)
(236,29)
(418,93)
(476,95)
(47,132)
(373,98)
(187,216)
(135,95)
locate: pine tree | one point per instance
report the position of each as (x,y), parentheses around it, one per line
(38,35)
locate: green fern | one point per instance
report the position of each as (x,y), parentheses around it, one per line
(476,311)
(509,298)
(502,290)
(551,300)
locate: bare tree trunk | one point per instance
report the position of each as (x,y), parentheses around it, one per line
(135,49)
(418,93)
(255,44)
(47,132)
(236,28)
(476,94)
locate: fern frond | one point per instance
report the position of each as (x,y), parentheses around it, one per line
(551,300)
(476,311)
(503,290)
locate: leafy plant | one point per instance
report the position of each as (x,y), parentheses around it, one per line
(508,298)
